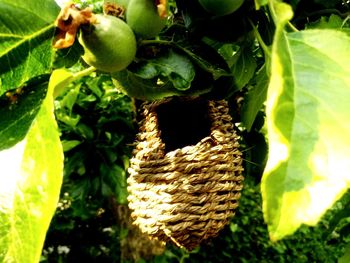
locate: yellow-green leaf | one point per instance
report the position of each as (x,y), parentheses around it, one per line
(30,183)
(308,115)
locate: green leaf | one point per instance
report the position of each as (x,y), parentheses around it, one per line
(346,257)
(140,88)
(244,67)
(26,31)
(308,114)
(332,22)
(69,145)
(260,3)
(177,68)
(207,58)
(67,57)
(114,178)
(254,99)
(61,78)
(30,183)
(18,110)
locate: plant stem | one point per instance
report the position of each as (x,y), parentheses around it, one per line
(293,27)
(83,73)
(272,11)
(157,41)
(345,21)
(260,40)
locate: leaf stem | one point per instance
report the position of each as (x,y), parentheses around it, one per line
(83,73)
(293,27)
(260,40)
(272,11)
(345,21)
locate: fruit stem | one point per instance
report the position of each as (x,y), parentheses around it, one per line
(83,73)
(60,89)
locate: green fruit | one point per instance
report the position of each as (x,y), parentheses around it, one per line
(142,16)
(109,45)
(221,7)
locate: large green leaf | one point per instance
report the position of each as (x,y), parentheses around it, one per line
(30,183)
(26,31)
(308,125)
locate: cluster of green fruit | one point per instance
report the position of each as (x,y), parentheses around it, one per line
(110,44)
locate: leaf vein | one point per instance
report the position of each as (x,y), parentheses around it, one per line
(27,38)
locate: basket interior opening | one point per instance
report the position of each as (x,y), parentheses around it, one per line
(183,123)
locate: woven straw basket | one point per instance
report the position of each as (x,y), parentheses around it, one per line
(188,194)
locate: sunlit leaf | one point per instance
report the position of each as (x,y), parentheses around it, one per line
(332,22)
(30,183)
(259,3)
(26,31)
(308,124)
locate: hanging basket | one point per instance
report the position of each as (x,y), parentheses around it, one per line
(185,176)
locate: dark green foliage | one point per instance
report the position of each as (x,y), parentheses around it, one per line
(246,239)
(198,54)
(97,126)
(95,160)
(86,222)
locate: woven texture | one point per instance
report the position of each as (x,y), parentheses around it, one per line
(189,194)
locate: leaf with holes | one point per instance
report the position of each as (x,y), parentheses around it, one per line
(18,110)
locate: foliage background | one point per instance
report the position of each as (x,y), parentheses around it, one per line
(97,126)
(100,229)
(90,223)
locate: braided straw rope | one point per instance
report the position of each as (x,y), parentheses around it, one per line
(189,194)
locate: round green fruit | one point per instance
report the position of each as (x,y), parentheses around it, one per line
(109,45)
(142,16)
(221,7)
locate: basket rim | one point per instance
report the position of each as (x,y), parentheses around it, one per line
(207,142)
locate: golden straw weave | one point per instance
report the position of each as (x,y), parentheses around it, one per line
(188,194)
